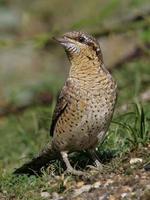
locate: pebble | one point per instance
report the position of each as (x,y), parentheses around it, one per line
(45,194)
(123,195)
(135,160)
(97,184)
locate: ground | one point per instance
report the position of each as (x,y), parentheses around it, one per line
(122,178)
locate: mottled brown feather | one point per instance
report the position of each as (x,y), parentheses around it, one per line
(61,105)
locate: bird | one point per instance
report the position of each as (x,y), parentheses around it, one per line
(84,107)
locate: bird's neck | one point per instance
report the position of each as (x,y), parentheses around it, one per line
(87,69)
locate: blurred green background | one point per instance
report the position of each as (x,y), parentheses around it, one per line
(33,68)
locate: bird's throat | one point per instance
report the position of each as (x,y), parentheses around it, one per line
(85,68)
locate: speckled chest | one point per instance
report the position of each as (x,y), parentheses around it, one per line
(98,111)
(86,118)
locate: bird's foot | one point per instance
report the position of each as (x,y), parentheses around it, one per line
(70,169)
(98,166)
(75,172)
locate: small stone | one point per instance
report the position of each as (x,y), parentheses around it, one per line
(136,176)
(79,191)
(123,195)
(105,196)
(80,184)
(45,194)
(108,182)
(136,160)
(111,197)
(126,189)
(97,184)
(55,196)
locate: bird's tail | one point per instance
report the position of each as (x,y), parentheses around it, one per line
(42,160)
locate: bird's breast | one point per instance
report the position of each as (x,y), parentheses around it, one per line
(86,118)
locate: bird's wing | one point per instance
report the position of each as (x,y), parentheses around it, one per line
(61,105)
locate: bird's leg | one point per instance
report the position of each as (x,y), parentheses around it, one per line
(68,165)
(95,159)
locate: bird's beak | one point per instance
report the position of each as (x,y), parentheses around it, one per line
(68,44)
(62,40)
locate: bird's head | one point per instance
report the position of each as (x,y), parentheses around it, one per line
(80,45)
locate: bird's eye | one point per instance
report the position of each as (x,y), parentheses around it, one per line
(81,39)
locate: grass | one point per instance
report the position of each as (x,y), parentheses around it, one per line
(138,130)
(133,126)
